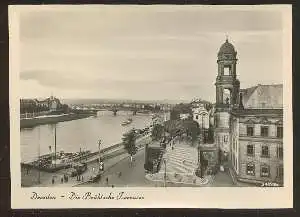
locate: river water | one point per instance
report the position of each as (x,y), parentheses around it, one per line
(82,133)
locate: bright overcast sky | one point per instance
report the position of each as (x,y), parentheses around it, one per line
(145,52)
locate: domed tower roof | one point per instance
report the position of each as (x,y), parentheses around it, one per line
(227,48)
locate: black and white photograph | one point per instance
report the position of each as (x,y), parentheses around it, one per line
(154,97)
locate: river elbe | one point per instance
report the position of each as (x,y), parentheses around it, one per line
(82,133)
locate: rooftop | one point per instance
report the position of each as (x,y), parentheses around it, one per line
(242,112)
(263,97)
(227,48)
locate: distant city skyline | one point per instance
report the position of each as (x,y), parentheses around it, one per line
(143,52)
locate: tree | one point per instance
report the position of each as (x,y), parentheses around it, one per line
(208,106)
(194,134)
(157,132)
(65,108)
(174,115)
(210,134)
(129,139)
(157,108)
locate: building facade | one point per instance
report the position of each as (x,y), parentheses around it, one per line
(257,138)
(33,105)
(248,124)
(201,116)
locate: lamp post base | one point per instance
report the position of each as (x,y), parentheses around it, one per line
(198,172)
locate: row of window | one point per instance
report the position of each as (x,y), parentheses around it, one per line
(264,131)
(264,170)
(265,151)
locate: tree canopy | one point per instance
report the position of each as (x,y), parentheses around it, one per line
(157,132)
(182,108)
(129,139)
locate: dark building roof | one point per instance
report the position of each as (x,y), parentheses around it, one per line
(263,97)
(227,48)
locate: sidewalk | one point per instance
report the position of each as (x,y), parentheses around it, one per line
(46,178)
(133,176)
(222,179)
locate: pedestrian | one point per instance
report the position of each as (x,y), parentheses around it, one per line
(62,180)
(52,180)
(81,178)
(112,186)
(107,180)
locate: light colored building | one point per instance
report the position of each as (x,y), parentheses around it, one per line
(257,135)
(201,116)
(53,103)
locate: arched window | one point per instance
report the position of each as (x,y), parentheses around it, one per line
(226,96)
(250,170)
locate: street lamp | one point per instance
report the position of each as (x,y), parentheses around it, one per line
(165,172)
(198,170)
(199,142)
(39,157)
(99,147)
(80,154)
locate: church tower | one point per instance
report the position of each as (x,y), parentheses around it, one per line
(227,98)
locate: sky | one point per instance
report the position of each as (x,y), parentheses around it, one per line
(143,52)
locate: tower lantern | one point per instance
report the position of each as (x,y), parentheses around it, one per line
(227,84)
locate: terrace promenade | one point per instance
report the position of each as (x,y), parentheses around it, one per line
(30,177)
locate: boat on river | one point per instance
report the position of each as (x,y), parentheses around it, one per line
(55,161)
(128,121)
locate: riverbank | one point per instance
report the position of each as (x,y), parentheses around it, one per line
(52,119)
(111,155)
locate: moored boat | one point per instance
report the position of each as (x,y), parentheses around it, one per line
(128,121)
(55,161)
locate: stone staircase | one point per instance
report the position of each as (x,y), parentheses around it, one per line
(182,159)
(181,164)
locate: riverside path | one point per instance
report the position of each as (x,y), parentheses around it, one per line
(132,175)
